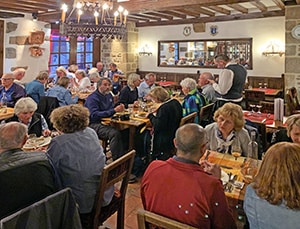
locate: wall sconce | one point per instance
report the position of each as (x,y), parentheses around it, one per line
(145,51)
(273,48)
(34,16)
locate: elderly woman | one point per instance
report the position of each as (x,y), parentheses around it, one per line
(193,100)
(77,155)
(83,82)
(25,113)
(165,121)
(60,72)
(129,94)
(272,200)
(36,88)
(228,129)
(61,92)
(291,133)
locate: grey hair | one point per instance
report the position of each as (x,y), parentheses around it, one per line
(12,135)
(81,72)
(19,71)
(42,75)
(190,138)
(222,57)
(93,75)
(133,77)
(189,83)
(25,104)
(102,79)
(147,76)
(293,120)
(208,75)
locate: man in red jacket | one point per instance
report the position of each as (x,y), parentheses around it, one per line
(182,189)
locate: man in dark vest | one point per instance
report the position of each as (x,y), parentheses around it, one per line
(231,80)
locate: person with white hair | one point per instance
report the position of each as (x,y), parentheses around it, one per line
(206,87)
(129,94)
(19,74)
(147,85)
(193,100)
(84,82)
(25,113)
(94,78)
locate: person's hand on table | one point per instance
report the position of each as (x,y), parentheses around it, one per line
(46,132)
(119,108)
(136,103)
(211,168)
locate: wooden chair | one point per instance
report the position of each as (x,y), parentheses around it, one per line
(267,107)
(146,218)
(253,97)
(117,171)
(188,119)
(205,114)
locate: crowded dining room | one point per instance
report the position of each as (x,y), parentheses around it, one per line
(135,114)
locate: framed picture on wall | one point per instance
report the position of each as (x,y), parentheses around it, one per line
(36,37)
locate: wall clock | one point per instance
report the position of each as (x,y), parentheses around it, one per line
(296,32)
(187,31)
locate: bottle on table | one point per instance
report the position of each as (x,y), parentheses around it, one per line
(3,101)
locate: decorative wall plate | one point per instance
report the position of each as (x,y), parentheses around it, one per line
(296,32)
(187,30)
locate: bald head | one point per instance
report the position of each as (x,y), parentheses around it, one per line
(190,139)
(204,77)
(19,73)
(13,135)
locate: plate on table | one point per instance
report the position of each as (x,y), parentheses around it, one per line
(224,177)
(141,115)
(34,143)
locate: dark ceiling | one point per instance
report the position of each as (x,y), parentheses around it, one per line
(161,12)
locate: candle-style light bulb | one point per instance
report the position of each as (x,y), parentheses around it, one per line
(116,14)
(79,13)
(125,16)
(64,9)
(96,14)
(121,9)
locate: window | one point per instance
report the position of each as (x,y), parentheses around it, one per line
(84,55)
(61,55)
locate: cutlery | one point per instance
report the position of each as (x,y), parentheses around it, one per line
(225,167)
(207,154)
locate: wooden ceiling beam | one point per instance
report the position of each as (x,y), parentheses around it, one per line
(216,18)
(219,9)
(148,17)
(201,10)
(279,3)
(175,14)
(259,5)
(239,8)
(158,14)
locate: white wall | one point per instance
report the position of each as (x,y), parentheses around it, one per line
(261,30)
(35,64)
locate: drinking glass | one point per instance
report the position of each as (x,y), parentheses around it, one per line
(260,85)
(252,107)
(236,149)
(265,85)
(259,107)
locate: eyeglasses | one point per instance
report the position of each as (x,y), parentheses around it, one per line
(6,78)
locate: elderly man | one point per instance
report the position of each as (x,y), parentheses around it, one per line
(147,85)
(182,189)
(19,74)
(11,90)
(231,82)
(101,105)
(25,177)
(115,75)
(100,68)
(206,87)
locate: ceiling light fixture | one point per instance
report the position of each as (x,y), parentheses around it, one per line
(94,18)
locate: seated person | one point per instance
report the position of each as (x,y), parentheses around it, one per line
(83,82)
(11,90)
(25,177)
(292,101)
(25,113)
(129,94)
(61,92)
(182,189)
(94,78)
(77,155)
(207,89)
(36,88)
(193,100)
(19,74)
(101,105)
(165,121)
(291,133)
(272,200)
(228,129)
(147,85)
(115,75)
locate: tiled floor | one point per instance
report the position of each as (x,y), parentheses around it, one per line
(133,203)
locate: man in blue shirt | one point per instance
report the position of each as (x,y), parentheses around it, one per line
(12,91)
(101,105)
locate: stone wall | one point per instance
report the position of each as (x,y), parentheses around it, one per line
(122,52)
(292,48)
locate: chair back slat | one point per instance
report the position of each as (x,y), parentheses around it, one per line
(188,119)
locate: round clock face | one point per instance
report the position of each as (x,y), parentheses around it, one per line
(296,32)
(187,30)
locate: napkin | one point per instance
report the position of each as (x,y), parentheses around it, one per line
(278,109)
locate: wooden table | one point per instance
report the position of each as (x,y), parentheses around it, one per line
(8,114)
(232,165)
(132,124)
(268,91)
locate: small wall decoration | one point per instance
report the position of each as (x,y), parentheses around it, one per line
(36,51)
(214,30)
(36,37)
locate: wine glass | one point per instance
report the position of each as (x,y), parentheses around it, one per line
(265,85)
(252,107)
(236,149)
(259,107)
(260,85)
